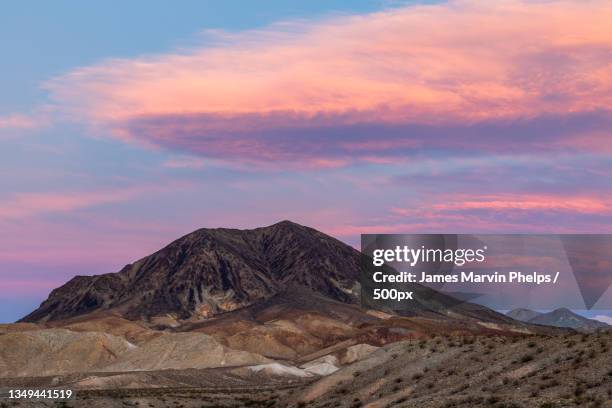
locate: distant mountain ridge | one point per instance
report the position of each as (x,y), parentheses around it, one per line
(523,315)
(561,317)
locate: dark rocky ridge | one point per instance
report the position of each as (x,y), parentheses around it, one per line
(213,270)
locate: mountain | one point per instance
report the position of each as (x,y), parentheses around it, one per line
(523,315)
(270,317)
(566,318)
(213,271)
(558,318)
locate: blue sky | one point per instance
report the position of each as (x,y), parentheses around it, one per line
(45,39)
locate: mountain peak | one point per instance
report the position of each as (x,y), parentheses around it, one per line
(564,317)
(211,271)
(286,223)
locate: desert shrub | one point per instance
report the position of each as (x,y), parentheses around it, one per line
(356,403)
(462,388)
(579,390)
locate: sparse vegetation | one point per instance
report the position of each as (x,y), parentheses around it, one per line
(523,372)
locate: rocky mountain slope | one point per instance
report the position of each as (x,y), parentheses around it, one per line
(293,328)
(211,271)
(566,370)
(54,351)
(214,271)
(48,352)
(570,370)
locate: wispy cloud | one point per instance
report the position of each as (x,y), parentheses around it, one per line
(24,205)
(185,163)
(367,87)
(525,212)
(526,202)
(31,204)
(19,121)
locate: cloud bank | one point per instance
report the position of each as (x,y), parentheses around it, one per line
(462,76)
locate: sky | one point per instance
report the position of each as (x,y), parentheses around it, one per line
(126,125)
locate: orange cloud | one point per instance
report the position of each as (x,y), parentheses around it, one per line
(461,60)
(469,76)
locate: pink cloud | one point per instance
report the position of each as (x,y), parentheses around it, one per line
(271,94)
(28,287)
(91,241)
(530,202)
(38,255)
(526,213)
(18,121)
(185,163)
(24,205)
(30,204)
